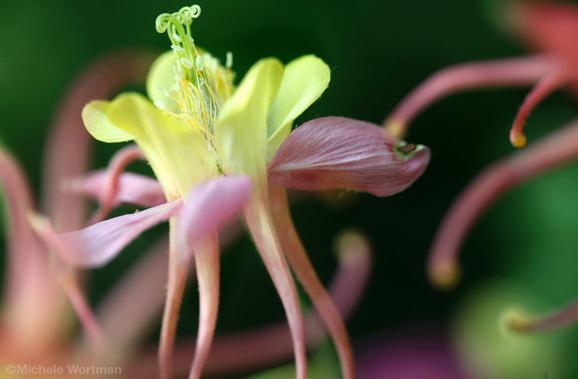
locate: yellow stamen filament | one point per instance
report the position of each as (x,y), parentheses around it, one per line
(202,83)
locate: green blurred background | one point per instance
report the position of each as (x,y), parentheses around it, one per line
(378,51)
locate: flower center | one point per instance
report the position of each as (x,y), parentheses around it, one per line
(202,83)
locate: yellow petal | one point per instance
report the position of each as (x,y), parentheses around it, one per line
(241,130)
(304,81)
(161,82)
(176,150)
(95,117)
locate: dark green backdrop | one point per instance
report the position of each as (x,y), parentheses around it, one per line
(378,51)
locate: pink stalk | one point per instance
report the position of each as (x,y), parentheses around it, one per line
(250,350)
(207,263)
(68,150)
(116,167)
(548,84)
(564,317)
(303,268)
(508,72)
(553,151)
(262,229)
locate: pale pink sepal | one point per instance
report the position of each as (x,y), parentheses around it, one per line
(340,153)
(98,244)
(210,206)
(132,189)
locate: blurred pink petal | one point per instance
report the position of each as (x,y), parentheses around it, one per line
(132,188)
(551,28)
(341,153)
(68,150)
(97,244)
(559,148)
(30,281)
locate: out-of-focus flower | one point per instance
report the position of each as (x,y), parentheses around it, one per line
(218,150)
(490,351)
(547,28)
(550,29)
(36,321)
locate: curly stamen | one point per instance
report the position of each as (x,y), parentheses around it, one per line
(203,84)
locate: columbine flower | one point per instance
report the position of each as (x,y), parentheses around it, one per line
(35,327)
(550,29)
(216,150)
